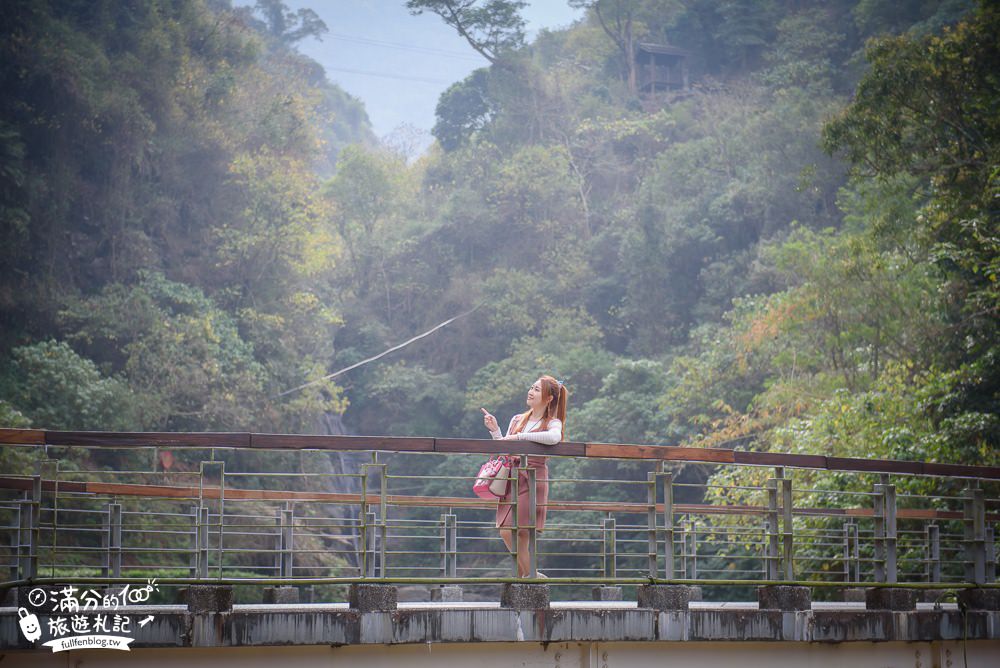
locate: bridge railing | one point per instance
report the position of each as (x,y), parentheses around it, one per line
(264,508)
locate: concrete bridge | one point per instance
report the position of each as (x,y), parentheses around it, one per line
(243,548)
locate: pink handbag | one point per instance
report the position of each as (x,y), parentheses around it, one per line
(493,478)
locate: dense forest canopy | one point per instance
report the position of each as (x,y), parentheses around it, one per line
(799,252)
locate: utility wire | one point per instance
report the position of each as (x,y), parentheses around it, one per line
(387,75)
(404,47)
(381,354)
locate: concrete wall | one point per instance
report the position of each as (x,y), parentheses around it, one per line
(981,654)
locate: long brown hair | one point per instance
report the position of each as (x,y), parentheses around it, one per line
(553,409)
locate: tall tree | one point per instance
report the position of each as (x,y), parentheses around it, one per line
(928,107)
(287,27)
(491,27)
(624,22)
(617,20)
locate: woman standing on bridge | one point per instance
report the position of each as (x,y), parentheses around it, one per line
(542,423)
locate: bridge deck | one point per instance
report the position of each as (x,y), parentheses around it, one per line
(427,623)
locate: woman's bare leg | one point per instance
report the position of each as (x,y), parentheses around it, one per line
(523,557)
(507,535)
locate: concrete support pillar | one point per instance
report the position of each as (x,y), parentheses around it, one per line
(372,597)
(606,593)
(524,596)
(784,597)
(979,599)
(281,594)
(447,594)
(664,597)
(890,598)
(853,594)
(207,598)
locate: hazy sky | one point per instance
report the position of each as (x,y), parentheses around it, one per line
(399,64)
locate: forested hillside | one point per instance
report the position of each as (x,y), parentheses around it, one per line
(797,253)
(165,243)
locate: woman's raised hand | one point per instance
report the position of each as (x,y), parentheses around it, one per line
(489,421)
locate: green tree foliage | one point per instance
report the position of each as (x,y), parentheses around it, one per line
(183,355)
(287,27)
(625,23)
(746,29)
(47,383)
(883,342)
(367,195)
(491,27)
(177,140)
(799,253)
(694,265)
(927,110)
(464,109)
(627,405)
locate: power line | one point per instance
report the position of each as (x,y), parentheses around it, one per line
(381,354)
(387,75)
(405,47)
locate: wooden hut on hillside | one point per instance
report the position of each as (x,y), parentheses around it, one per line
(660,68)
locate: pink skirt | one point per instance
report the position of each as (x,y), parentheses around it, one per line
(505,516)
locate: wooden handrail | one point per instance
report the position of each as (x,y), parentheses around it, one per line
(191,492)
(240,440)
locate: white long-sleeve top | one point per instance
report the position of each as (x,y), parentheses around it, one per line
(550,436)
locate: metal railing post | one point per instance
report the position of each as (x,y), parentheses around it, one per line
(974,521)
(694,550)
(533,527)
(878,539)
(443,545)
(202,542)
(846,537)
(991,556)
(283,558)
(15,539)
(278,540)
(449,545)
(48,469)
(652,547)
(363,558)
(383,529)
(609,553)
(932,564)
(787,535)
(193,567)
(368,534)
(772,557)
(891,535)
(668,522)
(515,488)
(375,525)
(855,551)
(222,513)
(683,546)
(203,565)
(28,531)
(114,539)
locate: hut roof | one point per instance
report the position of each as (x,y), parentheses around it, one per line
(662,49)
